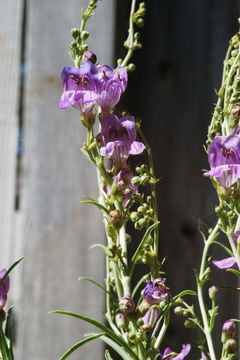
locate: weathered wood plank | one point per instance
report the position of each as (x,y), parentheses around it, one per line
(57,230)
(10,32)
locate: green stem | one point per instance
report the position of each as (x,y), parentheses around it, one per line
(130,38)
(200,283)
(234,249)
(162,331)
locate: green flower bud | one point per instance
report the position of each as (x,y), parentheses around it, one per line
(212,292)
(120,320)
(144,179)
(142,222)
(119,61)
(230,345)
(84,47)
(135,180)
(144,167)
(84,35)
(189,324)
(75,33)
(131,67)
(141,210)
(178,310)
(116,218)
(134,216)
(138,170)
(140,22)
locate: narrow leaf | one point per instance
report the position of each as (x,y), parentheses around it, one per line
(97,284)
(224,247)
(105,249)
(10,269)
(117,348)
(100,206)
(184,293)
(78,345)
(139,283)
(109,332)
(236,272)
(9,330)
(6,355)
(107,355)
(142,243)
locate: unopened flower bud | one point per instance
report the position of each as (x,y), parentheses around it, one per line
(189,324)
(131,67)
(228,330)
(212,292)
(142,222)
(235,113)
(144,306)
(75,33)
(116,218)
(141,210)
(208,273)
(178,310)
(138,169)
(140,22)
(84,35)
(144,179)
(120,320)
(134,216)
(127,305)
(90,56)
(230,345)
(135,180)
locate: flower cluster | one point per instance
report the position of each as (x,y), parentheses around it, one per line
(96,89)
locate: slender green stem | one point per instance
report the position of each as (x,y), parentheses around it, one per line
(234,249)
(163,330)
(200,283)
(130,39)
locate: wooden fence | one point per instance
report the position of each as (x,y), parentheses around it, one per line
(43,175)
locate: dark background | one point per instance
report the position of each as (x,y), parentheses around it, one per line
(173,90)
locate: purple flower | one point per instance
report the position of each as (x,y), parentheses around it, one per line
(124,185)
(155,291)
(147,316)
(4,287)
(91,84)
(118,139)
(224,159)
(229,328)
(79,87)
(229,262)
(111,84)
(184,352)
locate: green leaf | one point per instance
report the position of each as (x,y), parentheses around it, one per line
(6,355)
(94,202)
(9,330)
(236,272)
(105,249)
(107,355)
(109,332)
(97,284)
(184,293)
(142,243)
(224,247)
(10,269)
(113,345)
(230,287)
(78,345)
(139,283)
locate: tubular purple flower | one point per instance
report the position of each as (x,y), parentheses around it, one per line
(147,316)
(184,352)
(118,139)
(224,160)
(4,287)
(229,262)
(155,291)
(111,84)
(79,87)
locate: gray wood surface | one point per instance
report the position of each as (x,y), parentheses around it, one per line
(55,231)
(10,30)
